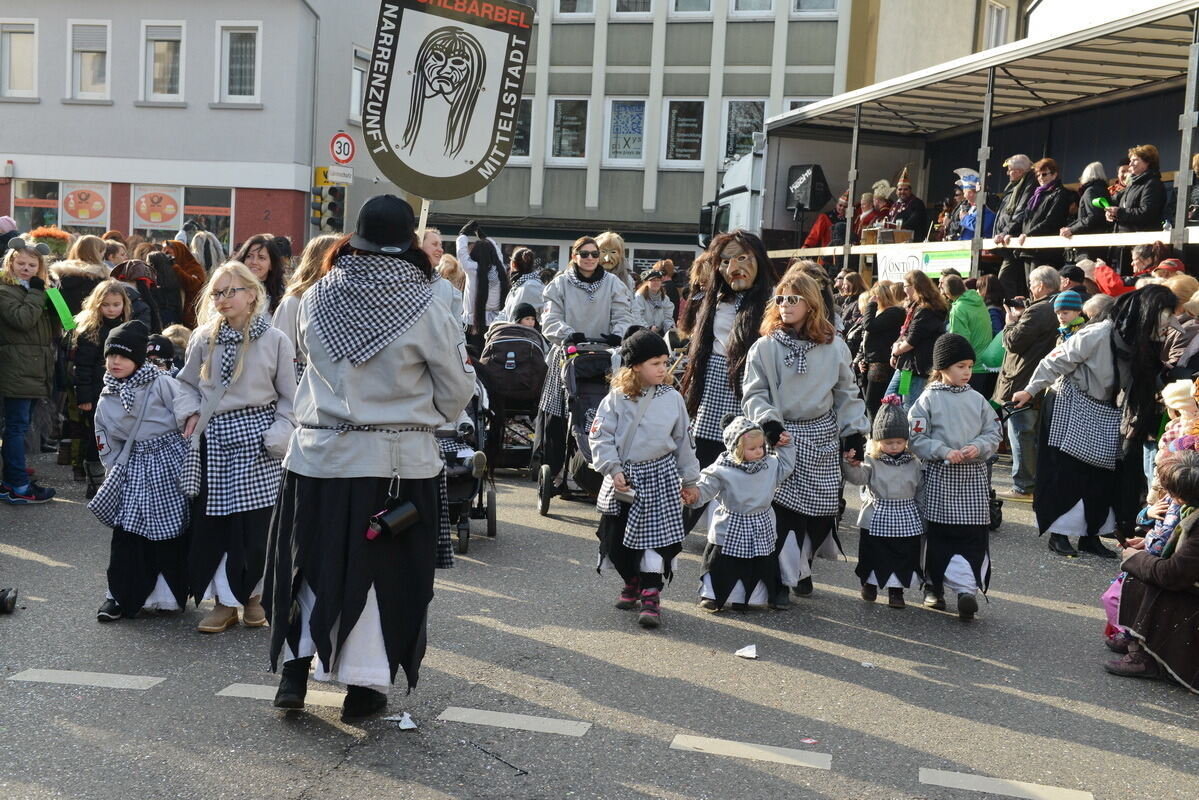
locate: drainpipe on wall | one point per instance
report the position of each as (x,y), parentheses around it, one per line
(316,53)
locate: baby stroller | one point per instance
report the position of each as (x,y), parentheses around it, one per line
(512,367)
(469,489)
(585,377)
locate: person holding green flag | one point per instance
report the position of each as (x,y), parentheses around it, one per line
(968,316)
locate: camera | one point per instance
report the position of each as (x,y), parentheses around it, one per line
(624,497)
(392,521)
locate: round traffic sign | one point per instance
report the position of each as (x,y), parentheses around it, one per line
(341,147)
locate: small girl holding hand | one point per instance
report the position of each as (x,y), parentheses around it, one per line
(954,432)
(640,444)
(890,523)
(739,566)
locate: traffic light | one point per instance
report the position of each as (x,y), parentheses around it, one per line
(328,208)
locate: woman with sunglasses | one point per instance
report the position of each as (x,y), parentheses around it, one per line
(583,302)
(798,380)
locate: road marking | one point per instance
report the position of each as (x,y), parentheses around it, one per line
(755,752)
(520,722)
(254,691)
(106,680)
(29,555)
(981,783)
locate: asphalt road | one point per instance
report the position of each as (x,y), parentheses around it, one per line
(875,700)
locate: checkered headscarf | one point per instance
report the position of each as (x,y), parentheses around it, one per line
(365,302)
(735,428)
(797,350)
(126,388)
(231,337)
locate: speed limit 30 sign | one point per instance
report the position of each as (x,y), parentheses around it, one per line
(341,147)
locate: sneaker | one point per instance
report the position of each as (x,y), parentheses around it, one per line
(1116,645)
(628,596)
(967,606)
(8,600)
(804,587)
(221,618)
(1015,496)
(1092,546)
(109,612)
(30,495)
(478,464)
(934,600)
(895,597)
(1061,545)
(362,702)
(709,605)
(869,592)
(650,616)
(1137,664)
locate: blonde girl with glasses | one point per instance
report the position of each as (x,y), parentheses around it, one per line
(241,371)
(798,380)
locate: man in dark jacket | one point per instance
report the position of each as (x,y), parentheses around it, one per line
(1013,205)
(1028,336)
(908,211)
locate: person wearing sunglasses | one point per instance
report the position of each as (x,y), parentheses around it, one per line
(1048,210)
(583,302)
(798,380)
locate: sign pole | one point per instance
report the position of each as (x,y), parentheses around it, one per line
(424,217)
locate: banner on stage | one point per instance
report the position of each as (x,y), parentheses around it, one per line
(443,92)
(895,262)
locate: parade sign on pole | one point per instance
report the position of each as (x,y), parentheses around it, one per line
(443,92)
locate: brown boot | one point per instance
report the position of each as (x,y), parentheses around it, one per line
(253,615)
(221,618)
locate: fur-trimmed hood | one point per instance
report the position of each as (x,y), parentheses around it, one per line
(80,269)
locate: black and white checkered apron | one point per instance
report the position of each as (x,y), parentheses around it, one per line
(553,391)
(749,535)
(895,517)
(716,402)
(656,516)
(240,475)
(1083,427)
(956,494)
(814,488)
(147,501)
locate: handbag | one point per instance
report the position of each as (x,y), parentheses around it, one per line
(1084,427)
(191,474)
(107,502)
(627,442)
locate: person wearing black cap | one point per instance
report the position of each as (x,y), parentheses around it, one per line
(1074,279)
(652,309)
(160,351)
(138,420)
(639,443)
(525,314)
(955,432)
(358,601)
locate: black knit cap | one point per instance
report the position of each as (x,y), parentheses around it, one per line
(129,340)
(523,310)
(642,346)
(160,346)
(951,348)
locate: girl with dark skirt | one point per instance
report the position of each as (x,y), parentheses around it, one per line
(386,366)
(798,379)
(955,432)
(240,373)
(138,417)
(890,523)
(740,567)
(640,444)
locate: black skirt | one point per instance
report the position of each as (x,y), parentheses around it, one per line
(943,541)
(318,537)
(1062,481)
(724,572)
(240,538)
(627,560)
(134,564)
(887,557)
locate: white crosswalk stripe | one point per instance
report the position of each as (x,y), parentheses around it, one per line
(105,680)
(523,722)
(754,752)
(1000,786)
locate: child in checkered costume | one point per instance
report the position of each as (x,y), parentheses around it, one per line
(890,523)
(147,565)
(740,567)
(954,432)
(640,443)
(798,379)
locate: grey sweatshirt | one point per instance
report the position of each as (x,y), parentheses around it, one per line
(740,492)
(1086,358)
(774,391)
(530,292)
(942,421)
(419,379)
(653,311)
(567,309)
(661,431)
(167,410)
(268,375)
(449,294)
(883,481)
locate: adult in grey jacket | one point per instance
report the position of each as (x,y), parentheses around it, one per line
(526,284)
(386,366)
(1028,335)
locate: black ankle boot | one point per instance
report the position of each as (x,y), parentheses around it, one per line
(1092,545)
(1061,545)
(293,684)
(362,702)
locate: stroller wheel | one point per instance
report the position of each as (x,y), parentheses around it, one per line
(491,526)
(462,543)
(545,489)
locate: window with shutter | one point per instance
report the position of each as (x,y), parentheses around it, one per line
(163,62)
(89,61)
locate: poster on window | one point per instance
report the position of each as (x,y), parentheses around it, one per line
(569,137)
(627,132)
(685,131)
(157,206)
(745,119)
(443,92)
(85,204)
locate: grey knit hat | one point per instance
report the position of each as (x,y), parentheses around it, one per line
(735,428)
(891,421)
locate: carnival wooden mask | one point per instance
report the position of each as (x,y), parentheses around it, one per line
(738,266)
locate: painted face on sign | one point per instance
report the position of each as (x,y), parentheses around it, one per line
(450,64)
(738,266)
(445,69)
